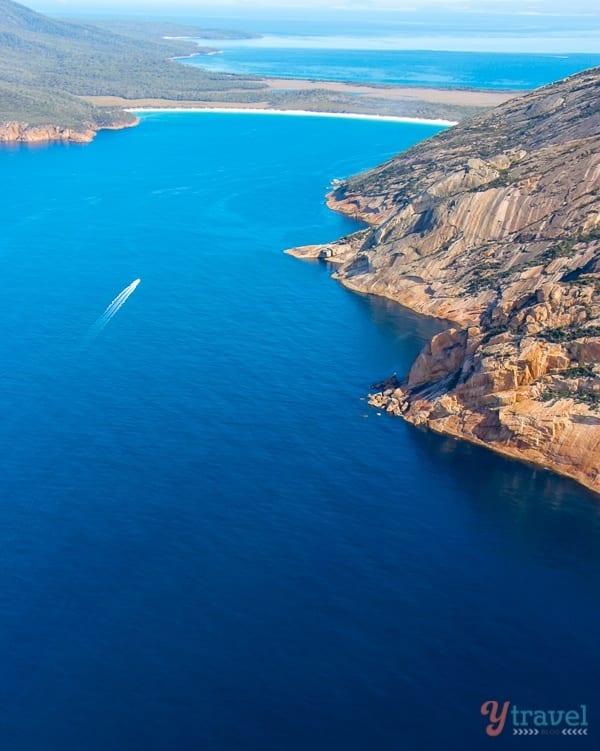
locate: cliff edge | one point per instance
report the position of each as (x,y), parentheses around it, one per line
(495,226)
(19,132)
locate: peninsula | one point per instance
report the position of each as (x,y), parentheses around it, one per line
(48,67)
(65,80)
(493,225)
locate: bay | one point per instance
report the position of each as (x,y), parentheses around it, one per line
(382,60)
(207,539)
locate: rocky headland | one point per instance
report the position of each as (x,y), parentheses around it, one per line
(19,132)
(493,225)
(65,80)
(48,67)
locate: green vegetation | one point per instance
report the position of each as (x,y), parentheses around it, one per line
(482,278)
(166,29)
(583,393)
(39,107)
(579,371)
(502,181)
(590,398)
(563,248)
(46,63)
(550,394)
(487,275)
(568,333)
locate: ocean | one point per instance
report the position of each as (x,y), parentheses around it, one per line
(374,60)
(208,539)
(483,49)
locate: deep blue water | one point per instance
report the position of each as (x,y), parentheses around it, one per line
(207,540)
(479,70)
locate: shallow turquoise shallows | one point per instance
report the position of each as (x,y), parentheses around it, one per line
(207,539)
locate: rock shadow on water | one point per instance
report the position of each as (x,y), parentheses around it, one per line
(549,513)
(409,329)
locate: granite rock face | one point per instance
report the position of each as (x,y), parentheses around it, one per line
(23,133)
(494,225)
(16,132)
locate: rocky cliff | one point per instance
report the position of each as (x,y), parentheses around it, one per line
(495,226)
(13,132)
(24,133)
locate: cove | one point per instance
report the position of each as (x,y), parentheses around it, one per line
(208,539)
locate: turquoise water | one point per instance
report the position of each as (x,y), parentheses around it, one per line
(479,70)
(208,540)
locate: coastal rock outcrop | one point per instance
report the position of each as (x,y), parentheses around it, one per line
(16,132)
(494,225)
(24,133)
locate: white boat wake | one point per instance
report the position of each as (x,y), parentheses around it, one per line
(112,310)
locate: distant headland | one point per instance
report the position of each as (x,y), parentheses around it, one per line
(62,80)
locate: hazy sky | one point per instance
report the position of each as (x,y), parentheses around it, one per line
(527,7)
(557,26)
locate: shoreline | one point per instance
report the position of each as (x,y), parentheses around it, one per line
(14,132)
(387,395)
(386,94)
(516,370)
(302,97)
(391,91)
(294,113)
